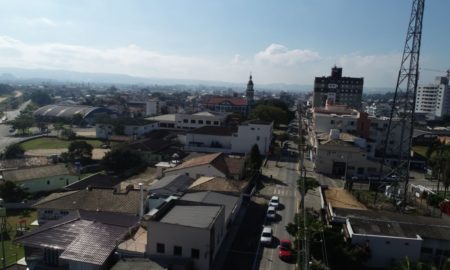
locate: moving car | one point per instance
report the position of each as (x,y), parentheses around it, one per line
(271,212)
(274,201)
(285,250)
(266,236)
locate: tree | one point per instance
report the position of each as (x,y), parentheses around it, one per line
(11,193)
(14,151)
(58,126)
(41,98)
(305,185)
(255,160)
(77,119)
(270,113)
(80,151)
(22,122)
(68,134)
(440,163)
(6,89)
(119,160)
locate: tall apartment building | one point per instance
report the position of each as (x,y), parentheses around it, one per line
(340,90)
(433,100)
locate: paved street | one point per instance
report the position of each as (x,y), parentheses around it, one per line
(285,175)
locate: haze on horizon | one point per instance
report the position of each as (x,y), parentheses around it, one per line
(291,43)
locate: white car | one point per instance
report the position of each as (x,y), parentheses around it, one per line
(266,236)
(271,212)
(274,201)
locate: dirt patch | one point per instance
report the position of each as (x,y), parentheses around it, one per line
(97,153)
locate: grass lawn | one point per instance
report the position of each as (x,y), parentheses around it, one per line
(14,252)
(54,143)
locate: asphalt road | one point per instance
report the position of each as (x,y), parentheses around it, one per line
(285,189)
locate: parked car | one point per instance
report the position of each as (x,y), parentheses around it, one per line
(266,236)
(285,250)
(271,212)
(274,201)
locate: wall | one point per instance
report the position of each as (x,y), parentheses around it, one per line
(83,266)
(195,172)
(187,237)
(355,158)
(325,122)
(140,130)
(191,121)
(202,140)
(251,134)
(47,183)
(51,214)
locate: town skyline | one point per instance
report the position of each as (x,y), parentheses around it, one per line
(220,42)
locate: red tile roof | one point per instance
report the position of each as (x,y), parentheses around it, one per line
(236,101)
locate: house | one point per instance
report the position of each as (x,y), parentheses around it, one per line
(133,127)
(81,240)
(238,139)
(389,236)
(228,104)
(217,164)
(58,205)
(152,150)
(187,230)
(41,178)
(170,185)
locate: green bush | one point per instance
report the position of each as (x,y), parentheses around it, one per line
(434,199)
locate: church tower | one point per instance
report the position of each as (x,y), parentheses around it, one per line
(249,93)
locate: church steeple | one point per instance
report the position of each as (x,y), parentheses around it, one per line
(249,93)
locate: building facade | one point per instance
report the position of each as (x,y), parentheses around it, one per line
(341,90)
(433,100)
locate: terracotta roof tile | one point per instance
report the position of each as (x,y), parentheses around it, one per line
(233,100)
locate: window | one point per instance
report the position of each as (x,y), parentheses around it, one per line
(185,121)
(177,251)
(200,121)
(193,121)
(257,138)
(48,182)
(208,122)
(160,248)
(195,253)
(216,123)
(388,242)
(332,122)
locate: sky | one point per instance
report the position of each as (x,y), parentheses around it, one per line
(289,41)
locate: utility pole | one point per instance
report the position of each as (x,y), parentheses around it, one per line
(401,120)
(2,230)
(303,193)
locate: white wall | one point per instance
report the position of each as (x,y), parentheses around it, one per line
(104,131)
(251,134)
(195,172)
(186,237)
(191,121)
(47,183)
(325,122)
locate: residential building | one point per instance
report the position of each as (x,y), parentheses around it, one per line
(217,164)
(81,240)
(190,120)
(218,184)
(41,178)
(152,150)
(189,230)
(230,139)
(132,127)
(58,205)
(341,90)
(433,100)
(388,236)
(97,180)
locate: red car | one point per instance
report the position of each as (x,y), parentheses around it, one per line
(285,250)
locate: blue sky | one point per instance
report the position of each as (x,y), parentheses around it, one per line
(278,41)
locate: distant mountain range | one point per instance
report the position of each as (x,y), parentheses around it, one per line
(61,76)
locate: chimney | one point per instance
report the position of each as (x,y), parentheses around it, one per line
(141,205)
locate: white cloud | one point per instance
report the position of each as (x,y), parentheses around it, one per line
(275,64)
(277,54)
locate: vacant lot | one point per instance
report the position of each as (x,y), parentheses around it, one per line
(54,143)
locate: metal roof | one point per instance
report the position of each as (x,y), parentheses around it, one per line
(67,111)
(88,241)
(200,216)
(171,184)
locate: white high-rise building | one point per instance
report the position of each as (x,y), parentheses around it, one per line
(433,100)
